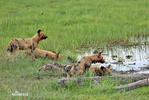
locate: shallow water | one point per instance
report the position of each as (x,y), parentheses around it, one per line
(126,59)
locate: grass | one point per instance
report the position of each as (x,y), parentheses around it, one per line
(70,25)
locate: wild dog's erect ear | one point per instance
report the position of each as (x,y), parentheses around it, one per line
(39,31)
(95,52)
(109,66)
(100,53)
(57,55)
(103,68)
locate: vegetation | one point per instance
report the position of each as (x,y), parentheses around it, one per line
(70,26)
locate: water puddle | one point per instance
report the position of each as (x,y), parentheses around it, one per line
(126,59)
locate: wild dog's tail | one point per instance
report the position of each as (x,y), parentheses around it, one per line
(11,47)
(42,68)
(66,68)
(55,66)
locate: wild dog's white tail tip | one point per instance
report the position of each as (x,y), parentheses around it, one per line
(8,53)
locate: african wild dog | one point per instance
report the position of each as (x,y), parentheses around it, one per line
(100,70)
(55,66)
(84,64)
(97,70)
(28,44)
(46,54)
(78,68)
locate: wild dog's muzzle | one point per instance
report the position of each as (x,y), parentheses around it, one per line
(44,37)
(102,61)
(98,61)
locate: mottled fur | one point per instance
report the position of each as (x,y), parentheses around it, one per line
(100,70)
(28,44)
(80,67)
(97,70)
(46,54)
(55,66)
(84,64)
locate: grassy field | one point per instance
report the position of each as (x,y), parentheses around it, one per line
(70,25)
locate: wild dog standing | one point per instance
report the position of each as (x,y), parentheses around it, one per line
(46,54)
(28,44)
(100,71)
(84,64)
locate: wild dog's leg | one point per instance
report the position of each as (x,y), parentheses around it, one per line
(27,53)
(46,56)
(13,56)
(33,56)
(72,71)
(30,53)
(80,72)
(68,76)
(32,48)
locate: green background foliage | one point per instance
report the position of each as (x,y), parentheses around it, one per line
(70,25)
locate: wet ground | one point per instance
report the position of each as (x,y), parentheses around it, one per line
(128,58)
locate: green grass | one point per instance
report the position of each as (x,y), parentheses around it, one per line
(70,25)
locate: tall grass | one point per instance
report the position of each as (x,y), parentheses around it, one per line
(70,25)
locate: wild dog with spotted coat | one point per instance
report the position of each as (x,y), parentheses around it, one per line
(78,68)
(100,70)
(97,70)
(55,66)
(46,54)
(28,44)
(84,64)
